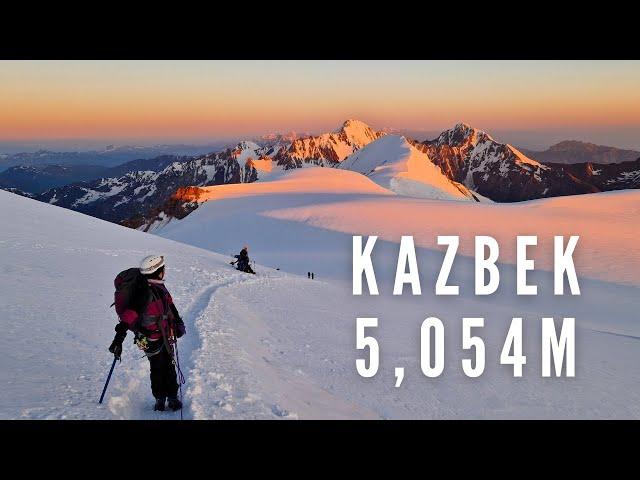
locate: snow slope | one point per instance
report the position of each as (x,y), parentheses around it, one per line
(278,345)
(56,273)
(397,165)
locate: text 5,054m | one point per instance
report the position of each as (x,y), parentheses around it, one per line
(558,349)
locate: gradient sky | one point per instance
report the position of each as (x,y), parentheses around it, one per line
(206,100)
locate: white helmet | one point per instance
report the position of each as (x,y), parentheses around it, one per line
(151,263)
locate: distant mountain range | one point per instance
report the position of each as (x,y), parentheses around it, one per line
(462,163)
(110,156)
(573,151)
(36,179)
(137,193)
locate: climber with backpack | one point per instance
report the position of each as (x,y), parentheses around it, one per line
(145,307)
(242,261)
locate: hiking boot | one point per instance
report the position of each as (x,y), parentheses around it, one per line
(175,404)
(159,406)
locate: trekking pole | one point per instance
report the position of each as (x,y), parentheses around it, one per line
(104,390)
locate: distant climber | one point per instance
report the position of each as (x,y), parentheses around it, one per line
(313,276)
(242,261)
(144,306)
(308,274)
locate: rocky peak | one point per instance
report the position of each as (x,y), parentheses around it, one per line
(462,134)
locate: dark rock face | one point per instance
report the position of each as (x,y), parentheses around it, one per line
(179,205)
(16,191)
(612,176)
(328,149)
(498,171)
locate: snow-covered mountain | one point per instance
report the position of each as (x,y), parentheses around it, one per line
(574,151)
(141,196)
(392,162)
(328,149)
(473,166)
(477,167)
(496,170)
(135,194)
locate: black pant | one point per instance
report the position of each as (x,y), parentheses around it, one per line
(164,382)
(246,268)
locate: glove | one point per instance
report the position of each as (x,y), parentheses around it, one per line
(116,348)
(179,329)
(116,345)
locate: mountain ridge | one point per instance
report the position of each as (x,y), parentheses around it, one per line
(468,157)
(576,151)
(497,170)
(394,163)
(327,149)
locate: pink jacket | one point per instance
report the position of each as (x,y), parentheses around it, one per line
(158,311)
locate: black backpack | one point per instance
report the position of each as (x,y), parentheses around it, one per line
(132,291)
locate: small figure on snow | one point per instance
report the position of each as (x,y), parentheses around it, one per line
(242,261)
(145,307)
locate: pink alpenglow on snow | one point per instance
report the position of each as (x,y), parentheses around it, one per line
(395,164)
(303,181)
(607,224)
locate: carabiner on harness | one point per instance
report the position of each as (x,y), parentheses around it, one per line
(142,342)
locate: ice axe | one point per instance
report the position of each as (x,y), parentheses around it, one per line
(104,390)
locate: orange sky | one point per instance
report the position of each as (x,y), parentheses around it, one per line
(213,99)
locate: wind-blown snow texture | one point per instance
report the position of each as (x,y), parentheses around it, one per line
(278,345)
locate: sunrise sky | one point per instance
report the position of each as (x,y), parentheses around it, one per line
(190,101)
